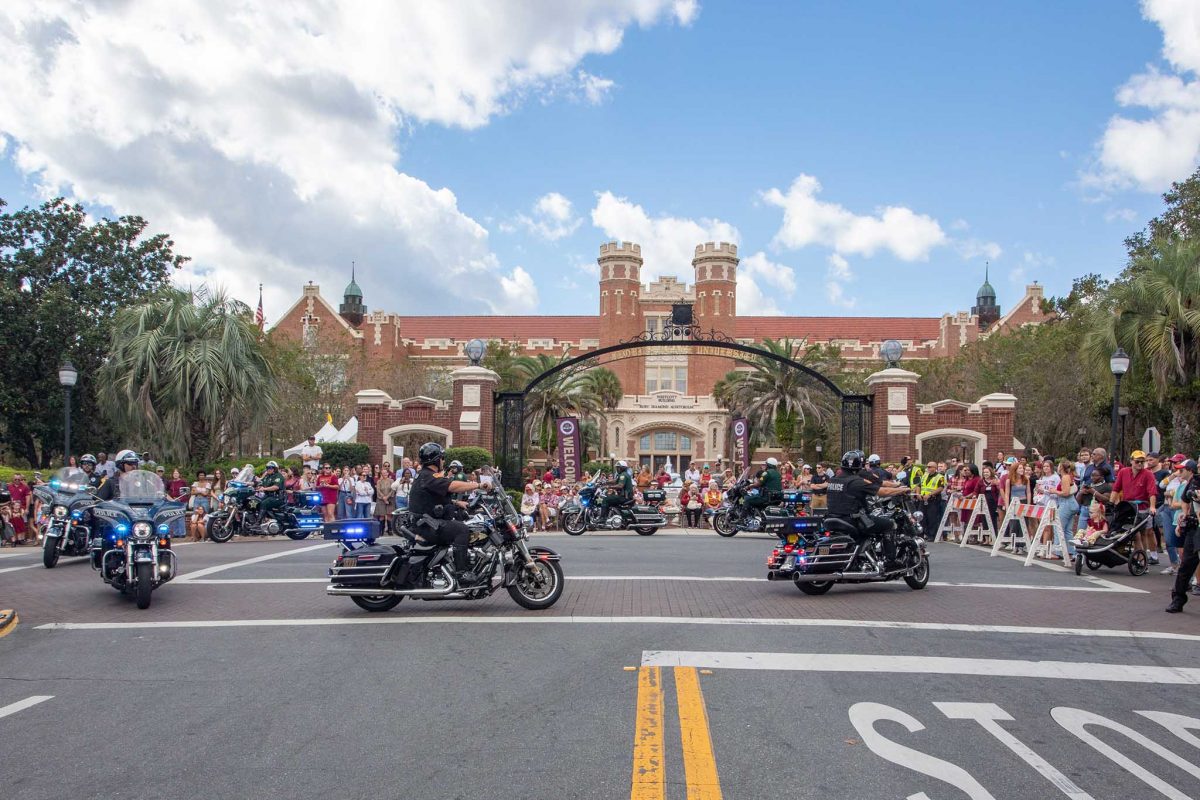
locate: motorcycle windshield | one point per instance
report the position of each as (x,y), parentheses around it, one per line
(68,480)
(141,486)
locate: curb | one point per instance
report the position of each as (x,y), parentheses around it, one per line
(8,621)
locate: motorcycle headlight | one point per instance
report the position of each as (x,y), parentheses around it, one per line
(142,530)
(527,521)
(918,516)
(60,512)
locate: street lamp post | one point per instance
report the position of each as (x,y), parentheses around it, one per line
(67,376)
(1119,364)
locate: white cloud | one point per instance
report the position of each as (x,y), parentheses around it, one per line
(594,88)
(520,293)
(836,279)
(1031,261)
(760,282)
(263,137)
(553,218)
(1120,215)
(806,220)
(668,243)
(1164,146)
(971,249)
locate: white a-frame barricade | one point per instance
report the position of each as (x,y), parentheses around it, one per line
(1047,518)
(979,512)
(1014,532)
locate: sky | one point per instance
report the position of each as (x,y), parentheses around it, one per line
(470,157)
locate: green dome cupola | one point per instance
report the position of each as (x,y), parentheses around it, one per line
(352,309)
(986,308)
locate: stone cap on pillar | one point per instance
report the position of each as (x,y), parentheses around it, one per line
(373,397)
(473,373)
(893,375)
(997,400)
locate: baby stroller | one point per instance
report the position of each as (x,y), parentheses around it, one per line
(1119,545)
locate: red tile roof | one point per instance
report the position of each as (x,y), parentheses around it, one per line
(575,328)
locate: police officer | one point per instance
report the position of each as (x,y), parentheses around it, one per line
(620,490)
(933,489)
(1191,538)
(126,461)
(876,470)
(770,485)
(455,471)
(429,504)
(848,493)
(271,485)
(88,464)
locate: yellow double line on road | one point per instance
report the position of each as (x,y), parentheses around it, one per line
(649,762)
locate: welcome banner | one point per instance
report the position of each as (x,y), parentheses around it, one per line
(741,442)
(570,448)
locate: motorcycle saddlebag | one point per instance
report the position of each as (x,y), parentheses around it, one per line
(830,554)
(654,496)
(364,567)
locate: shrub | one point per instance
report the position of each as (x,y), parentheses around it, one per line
(345,454)
(592,467)
(515,496)
(472,458)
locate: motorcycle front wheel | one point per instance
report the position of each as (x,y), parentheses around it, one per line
(50,551)
(219,529)
(145,584)
(574,524)
(377,602)
(723,526)
(538,585)
(298,533)
(919,576)
(646,530)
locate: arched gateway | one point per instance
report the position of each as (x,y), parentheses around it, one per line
(509,427)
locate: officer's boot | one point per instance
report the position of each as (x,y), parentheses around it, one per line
(462,566)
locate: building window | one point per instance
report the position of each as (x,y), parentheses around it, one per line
(666,378)
(660,447)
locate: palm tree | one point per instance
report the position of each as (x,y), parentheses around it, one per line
(773,396)
(1156,317)
(184,366)
(605,387)
(563,394)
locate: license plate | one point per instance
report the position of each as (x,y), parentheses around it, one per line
(349,562)
(822,551)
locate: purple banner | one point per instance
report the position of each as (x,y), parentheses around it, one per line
(741,442)
(570,448)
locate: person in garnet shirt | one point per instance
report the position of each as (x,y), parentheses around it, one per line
(1136,485)
(327,485)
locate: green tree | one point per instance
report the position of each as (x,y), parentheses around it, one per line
(1180,221)
(62,279)
(605,387)
(502,358)
(186,368)
(1156,317)
(563,394)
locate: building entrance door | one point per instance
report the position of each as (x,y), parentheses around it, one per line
(657,447)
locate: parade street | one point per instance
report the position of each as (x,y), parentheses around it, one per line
(669,669)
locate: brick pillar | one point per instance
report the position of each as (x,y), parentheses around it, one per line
(893,413)
(472,409)
(999,423)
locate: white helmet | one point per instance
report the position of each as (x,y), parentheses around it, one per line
(127,457)
(622,465)
(873,458)
(772,462)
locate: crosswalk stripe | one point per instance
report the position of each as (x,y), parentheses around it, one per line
(21,705)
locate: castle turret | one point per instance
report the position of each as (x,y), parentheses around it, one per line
(986,308)
(352,309)
(715,310)
(620,312)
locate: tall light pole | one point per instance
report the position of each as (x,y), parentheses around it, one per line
(1119,364)
(67,376)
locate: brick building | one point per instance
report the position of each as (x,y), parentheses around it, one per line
(668,410)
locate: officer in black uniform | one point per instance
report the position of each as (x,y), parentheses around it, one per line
(88,464)
(1191,539)
(847,496)
(876,471)
(126,461)
(430,504)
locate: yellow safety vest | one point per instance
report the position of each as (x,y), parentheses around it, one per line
(916,475)
(931,483)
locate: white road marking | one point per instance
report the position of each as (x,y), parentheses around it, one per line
(1061,567)
(450,619)
(191,576)
(21,705)
(924,665)
(62,562)
(14,569)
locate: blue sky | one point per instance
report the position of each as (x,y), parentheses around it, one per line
(1030,134)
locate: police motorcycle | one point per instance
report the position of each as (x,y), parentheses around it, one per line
(737,515)
(63,528)
(378,576)
(824,551)
(241,515)
(584,514)
(131,541)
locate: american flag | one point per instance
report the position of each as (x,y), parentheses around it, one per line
(259,319)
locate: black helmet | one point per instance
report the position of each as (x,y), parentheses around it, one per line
(430,453)
(852,460)
(87,458)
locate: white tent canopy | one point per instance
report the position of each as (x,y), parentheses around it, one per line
(328,433)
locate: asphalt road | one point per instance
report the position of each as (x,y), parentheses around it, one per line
(244,680)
